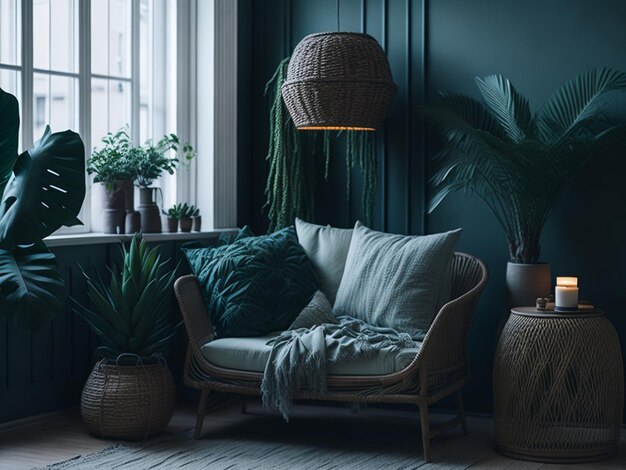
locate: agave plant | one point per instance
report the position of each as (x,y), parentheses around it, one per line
(516,161)
(131,313)
(41,189)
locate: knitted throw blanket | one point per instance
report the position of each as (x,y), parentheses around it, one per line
(300,358)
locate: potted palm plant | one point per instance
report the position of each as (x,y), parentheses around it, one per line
(519,162)
(41,190)
(114,168)
(130,393)
(151,160)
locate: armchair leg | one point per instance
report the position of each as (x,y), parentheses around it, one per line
(461,410)
(425,432)
(204,401)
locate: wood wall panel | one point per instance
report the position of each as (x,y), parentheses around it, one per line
(442,45)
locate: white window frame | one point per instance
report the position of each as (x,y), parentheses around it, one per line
(211,114)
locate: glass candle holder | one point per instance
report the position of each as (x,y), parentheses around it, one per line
(566,294)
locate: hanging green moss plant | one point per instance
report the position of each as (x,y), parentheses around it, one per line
(292,157)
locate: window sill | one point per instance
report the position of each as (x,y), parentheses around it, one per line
(93,238)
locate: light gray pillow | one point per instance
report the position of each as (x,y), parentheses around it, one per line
(317,312)
(395,280)
(327,248)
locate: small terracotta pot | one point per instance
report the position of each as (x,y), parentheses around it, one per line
(197,223)
(172,224)
(185,224)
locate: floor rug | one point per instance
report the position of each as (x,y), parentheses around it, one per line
(270,443)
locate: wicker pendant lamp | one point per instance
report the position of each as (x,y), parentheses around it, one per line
(338,81)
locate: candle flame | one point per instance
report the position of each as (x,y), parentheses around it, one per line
(567,281)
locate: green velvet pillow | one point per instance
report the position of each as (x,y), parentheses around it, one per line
(254,285)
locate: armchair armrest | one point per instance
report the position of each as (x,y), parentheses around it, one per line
(195,315)
(444,350)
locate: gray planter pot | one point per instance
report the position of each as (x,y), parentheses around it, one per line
(526,282)
(113,207)
(150,214)
(185,224)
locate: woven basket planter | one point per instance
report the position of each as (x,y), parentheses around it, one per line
(338,81)
(128,401)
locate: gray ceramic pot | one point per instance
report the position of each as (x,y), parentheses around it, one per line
(526,282)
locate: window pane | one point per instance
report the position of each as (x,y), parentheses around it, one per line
(110,107)
(99,110)
(41,104)
(64,36)
(63,103)
(145,70)
(10,82)
(10,32)
(100,37)
(119,104)
(41,34)
(119,37)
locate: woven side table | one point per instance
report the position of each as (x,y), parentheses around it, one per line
(558,386)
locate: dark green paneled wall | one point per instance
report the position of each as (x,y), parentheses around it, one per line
(538,44)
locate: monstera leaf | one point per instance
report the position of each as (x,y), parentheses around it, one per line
(31,288)
(9,133)
(46,191)
(42,190)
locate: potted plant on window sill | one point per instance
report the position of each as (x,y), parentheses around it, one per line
(197,220)
(186,214)
(173,216)
(130,393)
(41,190)
(151,161)
(519,163)
(113,167)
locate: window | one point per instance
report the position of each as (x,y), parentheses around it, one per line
(92,66)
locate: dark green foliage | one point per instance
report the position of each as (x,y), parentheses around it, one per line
(131,314)
(255,285)
(517,162)
(180,210)
(292,157)
(118,159)
(152,160)
(114,161)
(42,190)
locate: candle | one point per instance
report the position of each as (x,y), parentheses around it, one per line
(566,293)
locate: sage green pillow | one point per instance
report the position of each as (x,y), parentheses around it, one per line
(395,281)
(327,248)
(255,285)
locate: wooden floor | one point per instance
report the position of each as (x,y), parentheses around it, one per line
(60,437)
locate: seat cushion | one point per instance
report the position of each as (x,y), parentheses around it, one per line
(251,354)
(254,285)
(395,281)
(327,248)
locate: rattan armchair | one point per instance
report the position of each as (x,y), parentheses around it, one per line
(439,369)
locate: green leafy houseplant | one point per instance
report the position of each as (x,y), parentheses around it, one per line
(152,160)
(115,161)
(42,190)
(516,161)
(131,314)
